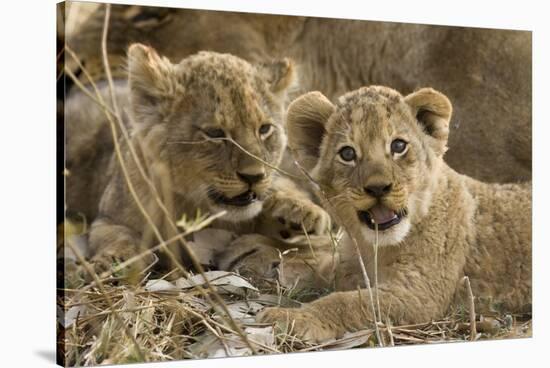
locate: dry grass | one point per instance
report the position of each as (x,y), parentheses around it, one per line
(182,324)
(111,320)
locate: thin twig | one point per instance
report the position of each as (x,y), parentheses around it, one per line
(473,330)
(390,334)
(274,167)
(309,242)
(376,270)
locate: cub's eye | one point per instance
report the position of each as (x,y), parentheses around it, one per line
(398,146)
(347,153)
(214,133)
(265,129)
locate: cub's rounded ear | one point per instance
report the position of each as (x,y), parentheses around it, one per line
(433,111)
(306,119)
(151,80)
(279,74)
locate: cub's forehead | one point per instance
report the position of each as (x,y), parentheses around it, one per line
(227,89)
(371,109)
(218,70)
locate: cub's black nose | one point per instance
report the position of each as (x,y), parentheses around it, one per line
(250,179)
(378,191)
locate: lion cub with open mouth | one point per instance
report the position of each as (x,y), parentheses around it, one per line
(378,159)
(209,132)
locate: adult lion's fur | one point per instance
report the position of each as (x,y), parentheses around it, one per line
(486,72)
(450,225)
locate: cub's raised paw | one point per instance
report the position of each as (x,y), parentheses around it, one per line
(299,322)
(289,214)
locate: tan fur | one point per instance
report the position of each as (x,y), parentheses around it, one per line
(486,72)
(294,265)
(171,109)
(452,226)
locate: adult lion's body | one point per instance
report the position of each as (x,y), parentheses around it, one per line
(378,159)
(487,73)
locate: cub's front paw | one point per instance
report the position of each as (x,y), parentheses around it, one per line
(123,261)
(299,322)
(291,213)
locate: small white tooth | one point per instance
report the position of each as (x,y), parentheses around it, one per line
(371,218)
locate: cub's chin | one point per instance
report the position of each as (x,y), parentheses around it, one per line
(242,207)
(239,214)
(387,237)
(392,227)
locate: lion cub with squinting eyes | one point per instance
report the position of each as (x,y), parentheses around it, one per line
(209,131)
(378,159)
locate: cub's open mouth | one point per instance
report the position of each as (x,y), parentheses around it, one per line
(241,200)
(381,215)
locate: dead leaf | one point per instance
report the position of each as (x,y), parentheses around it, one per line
(228,282)
(159,285)
(210,346)
(244,311)
(68,318)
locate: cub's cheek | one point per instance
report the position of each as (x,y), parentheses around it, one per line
(276,145)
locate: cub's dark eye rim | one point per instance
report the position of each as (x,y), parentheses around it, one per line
(347,154)
(398,146)
(265,129)
(214,133)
